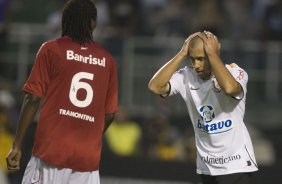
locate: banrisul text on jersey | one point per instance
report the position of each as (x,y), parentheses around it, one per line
(71,55)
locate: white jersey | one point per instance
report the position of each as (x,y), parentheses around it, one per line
(222,139)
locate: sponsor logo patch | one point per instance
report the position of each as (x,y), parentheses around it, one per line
(220,160)
(207,123)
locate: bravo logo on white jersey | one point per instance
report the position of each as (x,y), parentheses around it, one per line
(88,60)
(209,125)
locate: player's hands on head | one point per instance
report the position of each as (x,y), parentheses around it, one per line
(211,44)
(185,46)
(13,159)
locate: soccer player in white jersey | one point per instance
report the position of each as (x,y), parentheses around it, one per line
(215,95)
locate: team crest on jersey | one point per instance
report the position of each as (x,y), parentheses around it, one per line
(241,74)
(207,124)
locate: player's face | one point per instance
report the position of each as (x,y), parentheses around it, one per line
(200,62)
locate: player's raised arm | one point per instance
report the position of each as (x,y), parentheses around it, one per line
(159,82)
(224,78)
(28,111)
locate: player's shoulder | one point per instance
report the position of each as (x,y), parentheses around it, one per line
(234,66)
(183,70)
(54,45)
(237,71)
(45,46)
(48,44)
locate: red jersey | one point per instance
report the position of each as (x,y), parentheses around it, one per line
(79,86)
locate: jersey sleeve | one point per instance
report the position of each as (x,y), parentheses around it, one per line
(112,93)
(39,77)
(241,77)
(176,83)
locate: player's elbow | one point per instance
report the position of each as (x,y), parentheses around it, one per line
(153,87)
(229,92)
(232,90)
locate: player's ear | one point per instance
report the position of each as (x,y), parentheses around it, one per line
(93,24)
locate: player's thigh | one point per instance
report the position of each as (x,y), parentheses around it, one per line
(237,178)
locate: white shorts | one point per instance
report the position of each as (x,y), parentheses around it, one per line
(38,172)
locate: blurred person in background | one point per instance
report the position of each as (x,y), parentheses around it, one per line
(104,28)
(151,127)
(5,23)
(124,135)
(77,78)
(124,15)
(209,16)
(215,95)
(6,135)
(7,103)
(162,140)
(5,10)
(168,20)
(168,146)
(54,19)
(8,118)
(188,141)
(272,22)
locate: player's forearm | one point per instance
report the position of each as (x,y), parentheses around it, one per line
(28,111)
(158,83)
(226,81)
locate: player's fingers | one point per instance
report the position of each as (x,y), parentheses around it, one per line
(13,168)
(215,38)
(192,36)
(13,164)
(203,36)
(13,160)
(210,35)
(187,41)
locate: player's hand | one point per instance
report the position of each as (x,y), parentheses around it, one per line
(185,46)
(211,43)
(13,159)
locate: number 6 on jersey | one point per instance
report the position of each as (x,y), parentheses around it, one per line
(76,84)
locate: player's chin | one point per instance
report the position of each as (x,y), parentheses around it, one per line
(203,76)
(200,74)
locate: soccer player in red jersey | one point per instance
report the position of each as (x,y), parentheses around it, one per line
(76,79)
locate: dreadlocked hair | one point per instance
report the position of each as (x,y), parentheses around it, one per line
(76,20)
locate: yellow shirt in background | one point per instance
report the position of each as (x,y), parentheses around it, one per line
(123,137)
